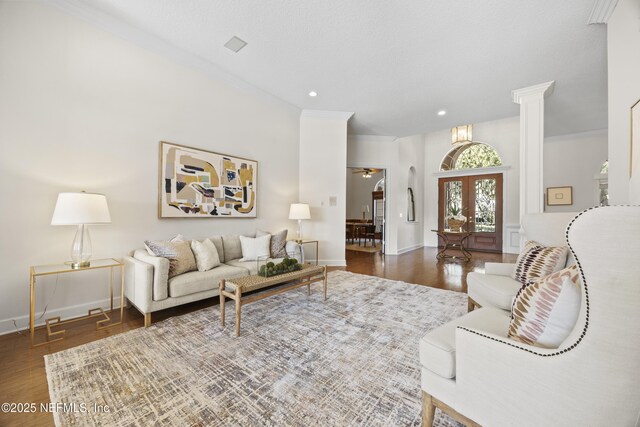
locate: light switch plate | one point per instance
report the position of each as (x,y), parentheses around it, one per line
(333,201)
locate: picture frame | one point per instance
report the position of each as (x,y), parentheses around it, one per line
(559,196)
(198,183)
(634,146)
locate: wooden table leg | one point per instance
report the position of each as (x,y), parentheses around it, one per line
(222,301)
(238,307)
(32,310)
(324,284)
(309,288)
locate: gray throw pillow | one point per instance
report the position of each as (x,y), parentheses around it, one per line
(278,243)
(179,254)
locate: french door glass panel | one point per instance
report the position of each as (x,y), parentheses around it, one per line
(485,204)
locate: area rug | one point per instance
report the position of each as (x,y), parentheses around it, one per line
(359,248)
(301,361)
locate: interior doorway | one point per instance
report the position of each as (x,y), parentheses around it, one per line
(366,210)
(479,199)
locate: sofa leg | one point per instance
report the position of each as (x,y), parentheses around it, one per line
(428,410)
(147,320)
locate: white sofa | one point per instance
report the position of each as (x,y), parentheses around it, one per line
(496,287)
(472,371)
(148,288)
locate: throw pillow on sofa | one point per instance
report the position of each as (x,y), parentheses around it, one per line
(254,248)
(206,254)
(179,254)
(177,238)
(278,243)
(537,261)
(545,311)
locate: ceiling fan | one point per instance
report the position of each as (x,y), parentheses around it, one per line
(366,172)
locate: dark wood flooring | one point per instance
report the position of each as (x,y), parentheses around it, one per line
(22,372)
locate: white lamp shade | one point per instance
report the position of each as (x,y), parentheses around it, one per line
(299,211)
(81,208)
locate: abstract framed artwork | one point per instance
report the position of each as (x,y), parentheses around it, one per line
(559,196)
(634,151)
(196,183)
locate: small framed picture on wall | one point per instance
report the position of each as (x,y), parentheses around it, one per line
(559,196)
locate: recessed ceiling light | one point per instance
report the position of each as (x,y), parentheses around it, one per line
(313,93)
(442,113)
(235,44)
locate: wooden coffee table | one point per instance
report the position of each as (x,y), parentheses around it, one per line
(234,288)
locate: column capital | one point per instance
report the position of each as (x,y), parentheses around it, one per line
(542,89)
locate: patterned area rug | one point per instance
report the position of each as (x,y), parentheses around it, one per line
(359,248)
(301,361)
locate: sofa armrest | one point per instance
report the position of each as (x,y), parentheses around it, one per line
(160,273)
(294,249)
(499,269)
(138,283)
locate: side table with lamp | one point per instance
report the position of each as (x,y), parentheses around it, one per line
(80,209)
(299,212)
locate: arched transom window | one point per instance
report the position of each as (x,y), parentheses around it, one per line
(470,156)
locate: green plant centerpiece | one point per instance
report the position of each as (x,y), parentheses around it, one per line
(287,265)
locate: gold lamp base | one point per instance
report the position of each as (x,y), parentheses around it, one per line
(83,264)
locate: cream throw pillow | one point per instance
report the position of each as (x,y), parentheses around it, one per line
(206,254)
(545,311)
(254,248)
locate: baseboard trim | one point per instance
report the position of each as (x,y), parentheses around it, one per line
(333,262)
(22,322)
(410,248)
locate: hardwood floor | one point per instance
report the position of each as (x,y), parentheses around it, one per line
(22,372)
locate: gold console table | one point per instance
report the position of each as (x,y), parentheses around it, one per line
(103,323)
(453,240)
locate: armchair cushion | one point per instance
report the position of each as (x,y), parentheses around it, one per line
(537,261)
(492,290)
(546,310)
(438,347)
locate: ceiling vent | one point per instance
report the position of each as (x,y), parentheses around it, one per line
(235,44)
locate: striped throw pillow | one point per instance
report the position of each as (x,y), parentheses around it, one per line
(537,261)
(545,311)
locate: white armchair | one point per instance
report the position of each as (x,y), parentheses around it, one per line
(495,287)
(592,379)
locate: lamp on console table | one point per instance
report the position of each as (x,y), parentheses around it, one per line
(365,211)
(81,209)
(299,211)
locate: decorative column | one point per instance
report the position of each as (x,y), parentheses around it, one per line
(531,100)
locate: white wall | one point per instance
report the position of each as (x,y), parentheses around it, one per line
(323,177)
(379,152)
(359,193)
(396,155)
(623,47)
(411,154)
(573,160)
(83,109)
(504,136)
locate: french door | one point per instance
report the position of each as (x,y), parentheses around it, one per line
(479,199)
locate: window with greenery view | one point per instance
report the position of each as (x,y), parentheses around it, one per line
(471,156)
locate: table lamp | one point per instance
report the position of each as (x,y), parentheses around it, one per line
(81,209)
(299,211)
(365,211)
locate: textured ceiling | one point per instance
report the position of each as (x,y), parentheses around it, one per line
(396,63)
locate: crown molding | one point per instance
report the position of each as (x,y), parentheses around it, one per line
(323,114)
(601,11)
(93,16)
(543,89)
